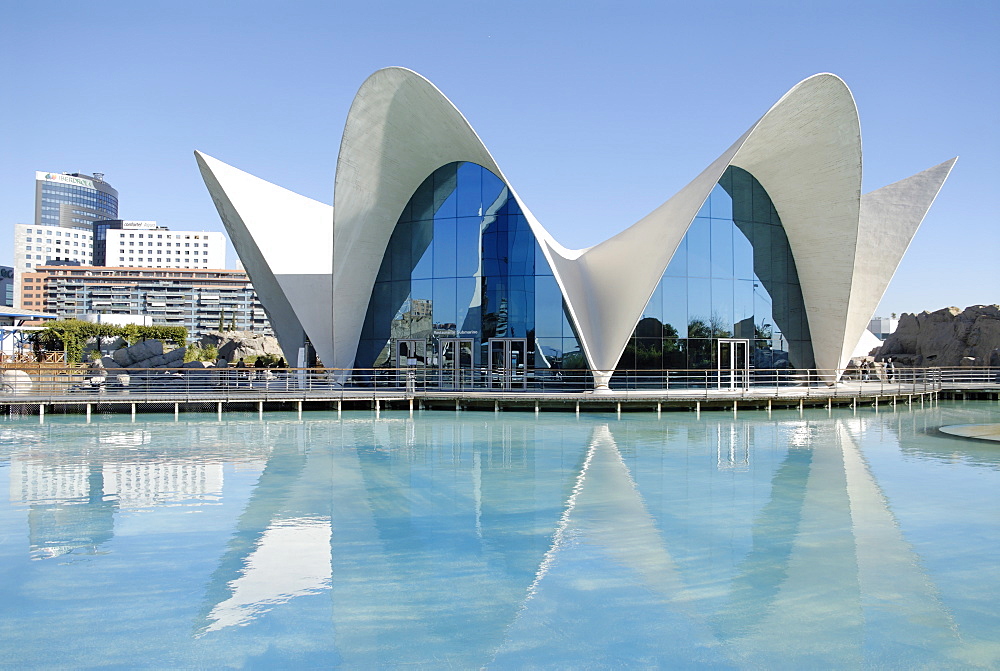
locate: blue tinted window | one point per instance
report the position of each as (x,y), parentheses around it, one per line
(462,262)
(733,276)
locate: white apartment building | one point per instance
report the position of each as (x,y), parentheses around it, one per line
(159,247)
(138,244)
(36,245)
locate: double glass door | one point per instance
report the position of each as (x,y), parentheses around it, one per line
(455,363)
(508,363)
(734,363)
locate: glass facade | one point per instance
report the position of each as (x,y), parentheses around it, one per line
(463,282)
(463,264)
(733,277)
(74,205)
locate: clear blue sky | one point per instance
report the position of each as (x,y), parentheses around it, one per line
(597,112)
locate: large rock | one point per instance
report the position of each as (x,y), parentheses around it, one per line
(175,356)
(145,354)
(109,362)
(122,357)
(155,362)
(146,349)
(946,337)
(236,345)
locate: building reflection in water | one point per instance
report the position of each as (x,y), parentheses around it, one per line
(471,542)
(72,506)
(407,557)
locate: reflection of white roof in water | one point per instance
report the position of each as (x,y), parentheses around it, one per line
(606,530)
(872,583)
(292,559)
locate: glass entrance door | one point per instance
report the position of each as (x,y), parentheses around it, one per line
(411,355)
(508,363)
(455,363)
(734,363)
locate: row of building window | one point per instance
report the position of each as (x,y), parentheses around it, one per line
(43,231)
(158,235)
(161,260)
(160,244)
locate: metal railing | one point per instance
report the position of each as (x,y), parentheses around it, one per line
(47,384)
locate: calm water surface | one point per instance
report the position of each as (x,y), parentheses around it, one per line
(468,540)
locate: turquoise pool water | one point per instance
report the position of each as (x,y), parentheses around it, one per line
(467,540)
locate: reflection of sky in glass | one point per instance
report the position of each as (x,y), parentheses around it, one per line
(851,540)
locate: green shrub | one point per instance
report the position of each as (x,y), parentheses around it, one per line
(196,353)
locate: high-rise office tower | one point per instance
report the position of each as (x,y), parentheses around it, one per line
(73,200)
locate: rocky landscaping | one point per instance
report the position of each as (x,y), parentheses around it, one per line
(946,338)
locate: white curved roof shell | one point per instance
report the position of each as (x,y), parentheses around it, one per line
(805,152)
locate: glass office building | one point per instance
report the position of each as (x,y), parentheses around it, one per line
(73,200)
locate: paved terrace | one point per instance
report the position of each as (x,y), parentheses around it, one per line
(208,390)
